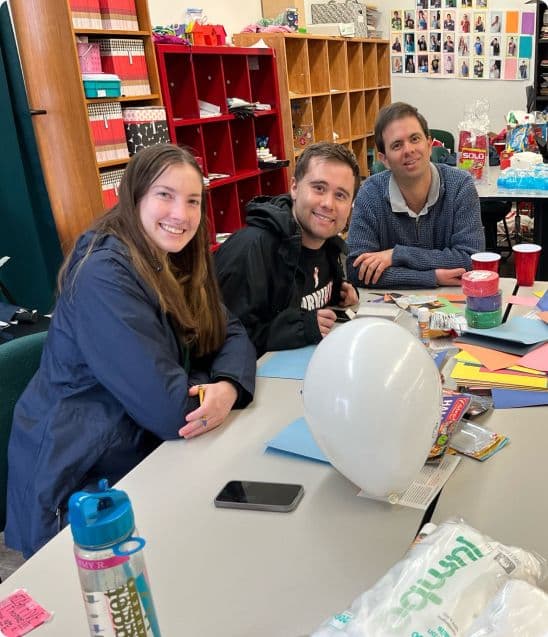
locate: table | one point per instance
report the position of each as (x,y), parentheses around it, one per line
(522,310)
(234,572)
(490,191)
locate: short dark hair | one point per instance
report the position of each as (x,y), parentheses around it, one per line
(392,112)
(328,152)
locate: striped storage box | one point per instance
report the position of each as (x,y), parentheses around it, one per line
(86,14)
(126,59)
(107,130)
(119,14)
(110,182)
(145,126)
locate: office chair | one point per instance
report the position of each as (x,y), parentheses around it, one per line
(445,137)
(19,360)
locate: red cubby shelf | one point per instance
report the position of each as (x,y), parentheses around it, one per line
(224,143)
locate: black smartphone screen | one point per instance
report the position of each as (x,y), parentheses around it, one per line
(266,496)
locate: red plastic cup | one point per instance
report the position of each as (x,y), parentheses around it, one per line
(526,258)
(486,261)
(499,147)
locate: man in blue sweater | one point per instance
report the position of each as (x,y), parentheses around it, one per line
(417,223)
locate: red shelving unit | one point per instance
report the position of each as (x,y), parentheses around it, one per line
(224,143)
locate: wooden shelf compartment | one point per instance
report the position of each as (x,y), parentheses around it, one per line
(298,76)
(269,127)
(302,122)
(357,114)
(341,116)
(359,148)
(354,52)
(370,64)
(384,97)
(177,74)
(338,65)
(371,110)
(209,82)
(322,118)
(107,33)
(262,69)
(383,64)
(319,66)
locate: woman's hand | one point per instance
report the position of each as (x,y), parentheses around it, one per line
(218,401)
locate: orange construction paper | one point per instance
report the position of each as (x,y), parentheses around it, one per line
(453,297)
(491,358)
(543,316)
(512,20)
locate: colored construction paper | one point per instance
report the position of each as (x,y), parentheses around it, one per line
(525,49)
(543,316)
(491,358)
(510,398)
(543,303)
(472,373)
(537,359)
(528,23)
(455,298)
(297,439)
(517,330)
(539,293)
(512,22)
(510,68)
(287,363)
(528,301)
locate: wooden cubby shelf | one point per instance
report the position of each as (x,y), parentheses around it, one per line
(331,89)
(224,143)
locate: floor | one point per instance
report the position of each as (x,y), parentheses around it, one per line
(10,560)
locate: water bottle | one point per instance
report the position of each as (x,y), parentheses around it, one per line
(111,565)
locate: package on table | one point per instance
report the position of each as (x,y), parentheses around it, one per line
(86,14)
(110,184)
(89,56)
(119,14)
(107,131)
(145,126)
(125,57)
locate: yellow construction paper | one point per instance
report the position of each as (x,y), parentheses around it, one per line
(462,371)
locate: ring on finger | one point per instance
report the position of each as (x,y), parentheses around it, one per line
(204,422)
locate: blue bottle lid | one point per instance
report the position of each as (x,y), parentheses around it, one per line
(101,519)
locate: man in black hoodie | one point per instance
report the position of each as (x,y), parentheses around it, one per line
(278,273)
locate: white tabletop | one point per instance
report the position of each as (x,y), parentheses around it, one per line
(505,496)
(234,572)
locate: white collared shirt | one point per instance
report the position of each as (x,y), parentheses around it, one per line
(398,203)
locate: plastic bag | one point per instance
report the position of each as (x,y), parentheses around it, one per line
(473,144)
(517,610)
(438,589)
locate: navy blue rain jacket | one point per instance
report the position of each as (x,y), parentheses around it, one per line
(111,385)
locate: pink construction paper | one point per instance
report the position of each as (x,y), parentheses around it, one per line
(537,359)
(510,68)
(529,301)
(19,614)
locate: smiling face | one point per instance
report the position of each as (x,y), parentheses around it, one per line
(170,210)
(406,150)
(322,200)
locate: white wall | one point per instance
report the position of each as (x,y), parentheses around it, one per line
(442,101)
(234,16)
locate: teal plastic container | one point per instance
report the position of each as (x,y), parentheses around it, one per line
(98,85)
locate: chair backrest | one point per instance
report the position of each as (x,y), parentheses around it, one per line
(19,360)
(377,167)
(445,137)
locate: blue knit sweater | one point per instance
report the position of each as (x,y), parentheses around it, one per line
(443,238)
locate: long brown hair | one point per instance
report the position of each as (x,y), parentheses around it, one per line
(184,282)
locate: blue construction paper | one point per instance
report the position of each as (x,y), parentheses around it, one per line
(517,330)
(525,49)
(288,363)
(543,303)
(297,439)
(509,398)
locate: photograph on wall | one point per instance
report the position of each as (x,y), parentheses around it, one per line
(471,40)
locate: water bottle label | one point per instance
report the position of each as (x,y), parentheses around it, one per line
(99,565)
(122,611)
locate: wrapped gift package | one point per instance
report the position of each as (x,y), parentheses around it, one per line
(101,85)
(110,182)
(145,126)
(86,14)
(126,58)
(89,57)
(208,34)
(350,11)
(107,131)
(119,14)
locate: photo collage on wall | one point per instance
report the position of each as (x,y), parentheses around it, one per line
(463,39)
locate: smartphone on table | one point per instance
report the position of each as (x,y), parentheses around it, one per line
(261,496)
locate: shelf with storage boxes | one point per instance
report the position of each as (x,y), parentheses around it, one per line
(331,89)
(196,84)
(81,158)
